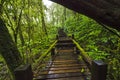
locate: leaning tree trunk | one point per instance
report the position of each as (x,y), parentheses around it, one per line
(8,48)
(103,11)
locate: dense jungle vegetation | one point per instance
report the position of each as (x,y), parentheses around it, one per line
(28,27)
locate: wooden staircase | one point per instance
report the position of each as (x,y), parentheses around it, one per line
(65,59)
(65,65)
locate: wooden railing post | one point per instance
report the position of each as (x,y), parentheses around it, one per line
(24,73)
(99,70)
(52,52)
(72,36)
(57,37)
(77,51)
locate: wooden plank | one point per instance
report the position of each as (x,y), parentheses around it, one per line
(70,78)
(64,61)
(65,71)
(67,68)
(64,75)
(66,50)
(66,65)
(58,63)
(65,44)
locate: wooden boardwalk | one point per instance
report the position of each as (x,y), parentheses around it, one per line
(66,64)
(64,60)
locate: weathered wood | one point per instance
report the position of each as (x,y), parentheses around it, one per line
(57,37)
(65,75)
(65,64)
(52,53)
(24,73)
(65,40)
(44,55)
(99,70)
(77,50)
(73,36)
(84,55)
(65,45)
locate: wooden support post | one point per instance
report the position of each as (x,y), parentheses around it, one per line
(77,51)
(52,53)
(72,36)
(57,37)
(24,73)
(99,70)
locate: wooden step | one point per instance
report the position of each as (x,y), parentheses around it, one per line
(80,70)
(63,75)
(59,63)
(64,58)
(65,50)
(64,61)
(65,71)
(70,78)
(67,68)
(68,65)
(65,44)
(65,40)
(65,65)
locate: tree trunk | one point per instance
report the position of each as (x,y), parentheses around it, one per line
(8,48)
(64,17)
(42,18)
(104,11)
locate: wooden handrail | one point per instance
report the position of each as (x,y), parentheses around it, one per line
(40,60)
(48,50)
(85,56)
(97,68)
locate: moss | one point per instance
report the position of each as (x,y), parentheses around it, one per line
(8,48)
(83,53)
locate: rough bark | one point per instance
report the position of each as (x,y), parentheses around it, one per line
(8,48)
(104,11)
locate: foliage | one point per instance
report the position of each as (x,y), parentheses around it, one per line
(26,23)
(97,41)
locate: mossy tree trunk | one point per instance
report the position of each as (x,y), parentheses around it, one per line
(103,11)
(8,48)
